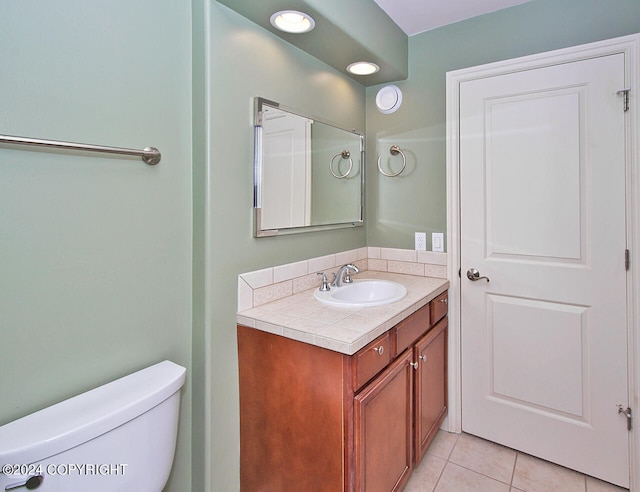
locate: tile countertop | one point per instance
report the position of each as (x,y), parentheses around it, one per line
(302,317)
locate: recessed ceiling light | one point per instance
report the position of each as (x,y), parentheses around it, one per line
(363,68)
(292,21)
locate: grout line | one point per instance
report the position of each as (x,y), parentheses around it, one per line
(440,476)
(446,462)
(481,474)
(510,483)
(513,472)
(453,447)
(435,486)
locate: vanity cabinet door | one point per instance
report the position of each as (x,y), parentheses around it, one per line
(383,425)
(430,386)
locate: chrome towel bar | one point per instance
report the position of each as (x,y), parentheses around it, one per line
(150,155)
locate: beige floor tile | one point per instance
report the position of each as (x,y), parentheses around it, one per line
(458,479)
(425,476)
(535,475)
(595,485)
(443,444)
(484,457)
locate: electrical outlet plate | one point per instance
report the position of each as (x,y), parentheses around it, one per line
(421,241)
(437,242)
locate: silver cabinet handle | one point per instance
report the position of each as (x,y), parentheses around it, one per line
(474,275)
(379,349)
(422,357)
(414,365)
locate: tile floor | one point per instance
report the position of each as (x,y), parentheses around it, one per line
(464,463)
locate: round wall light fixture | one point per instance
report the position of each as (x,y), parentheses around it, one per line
(292,21)
(389,99)
(363,68)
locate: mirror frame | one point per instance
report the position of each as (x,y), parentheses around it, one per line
(259,103)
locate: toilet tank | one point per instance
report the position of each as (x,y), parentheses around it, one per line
(118,437)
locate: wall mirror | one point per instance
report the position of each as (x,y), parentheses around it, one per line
(308,173)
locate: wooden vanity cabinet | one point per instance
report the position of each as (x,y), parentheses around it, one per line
(317,420)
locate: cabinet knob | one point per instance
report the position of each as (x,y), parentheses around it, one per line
(422,357)
(414,365)
(445,300)
(379,349)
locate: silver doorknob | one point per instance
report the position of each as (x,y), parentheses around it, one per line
(474,275)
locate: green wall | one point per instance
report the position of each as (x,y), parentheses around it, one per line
(416,201)
(245,61)
(95,251)
(200,396)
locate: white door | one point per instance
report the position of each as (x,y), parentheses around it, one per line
(286,170)
(542,214)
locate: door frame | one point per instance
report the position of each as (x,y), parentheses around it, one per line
(630,46)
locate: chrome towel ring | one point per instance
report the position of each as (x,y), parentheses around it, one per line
(395,150)
(345,155)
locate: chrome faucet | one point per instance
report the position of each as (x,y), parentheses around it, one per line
(345,271)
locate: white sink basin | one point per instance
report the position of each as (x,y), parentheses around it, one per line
(363,293)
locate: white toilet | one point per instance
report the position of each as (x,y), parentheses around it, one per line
(120,437)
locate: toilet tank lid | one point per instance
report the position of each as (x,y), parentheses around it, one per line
(79,419)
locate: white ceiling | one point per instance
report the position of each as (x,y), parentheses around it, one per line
(415,16)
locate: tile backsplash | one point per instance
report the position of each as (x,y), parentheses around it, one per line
(270,284)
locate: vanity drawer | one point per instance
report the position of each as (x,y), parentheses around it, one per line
(439,307)
(370,360)
(410,329)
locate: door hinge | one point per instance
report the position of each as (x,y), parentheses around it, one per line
(627,413)
(627,259)
(625,93)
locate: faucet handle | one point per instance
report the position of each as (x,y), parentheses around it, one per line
(325,283)
(348,269)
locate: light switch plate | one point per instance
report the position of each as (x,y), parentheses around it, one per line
(437,242)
